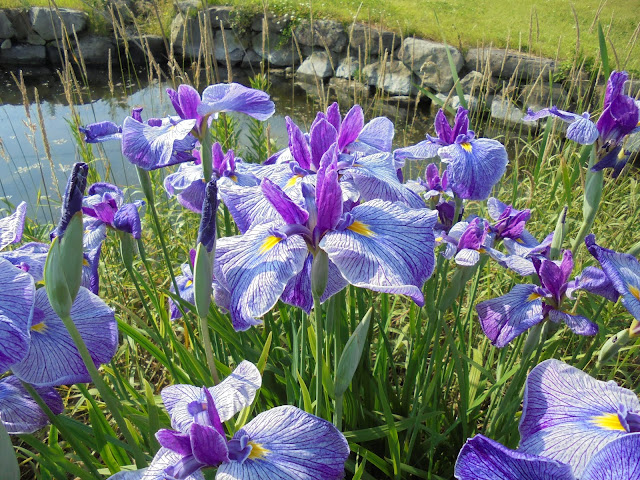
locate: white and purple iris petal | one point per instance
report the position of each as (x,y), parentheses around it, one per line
(569,416)
(185,291)
(385,247)
(619,460)
(376,136)
(19,412)
(53,359)
(623,270)
(30,257)
(595,281)
(101,132)
(233,97)
(11,226)
(16,311)
(288,444)
(581,130)
(484,459)
(158,145)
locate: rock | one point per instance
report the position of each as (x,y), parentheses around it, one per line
(186,34)
(6,28)
(138,48)
(365,40)
(325,33)
(508,113)
(317,65)
(186,5)
(35,39)
(347,67)
(276,53)
(475,82)
(275,23)
(508,63)
(20,22)
(348,91)
(429,60)
(251,59)
(454,101)
(23,55)
(55,52)
(6,44)
(222,14)
(48,25)
(542,94)
(235,46)
(396,78)
(95,50)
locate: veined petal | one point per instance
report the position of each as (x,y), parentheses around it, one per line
(298,145)
(189,99)
(328,198)
(387,248)
(618,460)
(193,196)
(484,459)
(376,136)
(333,115)
(151,147)
(577,323)
(351,127)
(290,212)
(53,358)
(375,177)
(209,446)
(234,393)
(30,257)
(582,131)
(185,291)
(504,318)
(624,272)
(129,474)
(127,219)
(286,444)
(247,205)
(16,311)
(569,416)
(11,227)
(19,412)
(233,97)
(186,174)
(595,281)
(321,137)
(420,151)
(474,167)
(164,459)
(255,268)
(101,132)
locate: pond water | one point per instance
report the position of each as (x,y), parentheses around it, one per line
(27,174)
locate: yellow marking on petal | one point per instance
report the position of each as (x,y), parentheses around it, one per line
(634,329)
(292,181)
(269,242)
(482,250)
(439,239)
(258,452)
(85,262)
(234,178)
(361,228)
(621,154)
(635,291)
(533,296)
(519,240)
(609,421)
(466,146)
(189,283)
(39,327)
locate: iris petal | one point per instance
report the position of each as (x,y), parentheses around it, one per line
(619,460)
(11,227)
(19,412)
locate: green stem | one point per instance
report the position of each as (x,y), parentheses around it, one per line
(208,350)
(592,196)
(317,313)
(105,393)
(337,413)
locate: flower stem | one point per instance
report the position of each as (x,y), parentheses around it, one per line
(208,350)
(592,196)
(317,313)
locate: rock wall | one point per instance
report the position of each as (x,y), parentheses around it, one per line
(365,56)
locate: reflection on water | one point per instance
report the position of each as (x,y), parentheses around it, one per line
(26,173)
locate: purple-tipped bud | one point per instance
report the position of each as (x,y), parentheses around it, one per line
(72,202)
(207,232)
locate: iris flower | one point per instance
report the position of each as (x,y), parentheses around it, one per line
(504,318)
(433,185)
(572,427)
(465,241)
(619,119)
(19,412)
(105,202)
(379,245)
(474,165)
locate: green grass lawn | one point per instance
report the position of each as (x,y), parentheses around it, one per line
(545,27)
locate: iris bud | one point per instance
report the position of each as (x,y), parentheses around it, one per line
(319,273)
(613,346)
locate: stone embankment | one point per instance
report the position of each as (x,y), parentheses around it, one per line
(355,56)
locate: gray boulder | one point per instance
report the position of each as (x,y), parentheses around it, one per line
(186,34)
(23,55)
(34,39)
(348,91)
(325,33)
(394,78)
(6,44)
(275,23)
(508,63)
(138,48)
(277,53)
(236,47)
(317,65)
(251,59)
(6,27)
(185,5)
(95,50)
(542,94)
(454,101)
(46,22)
(347,67)
(506,112)
(20,22)
(219,14)
(475,82)
(429,60)
(365,40)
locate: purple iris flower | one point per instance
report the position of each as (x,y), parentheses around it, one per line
(72,201)
(101,132)
(623,272)
(189,180)
(509,222)
(618,120)
(466,241)
(19,412)
(504,318)
(105,202)
(52,358)
(572,427)
(379,245)
(474,165)
(185,287)
(233,97)
(433,185)
(283,442)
